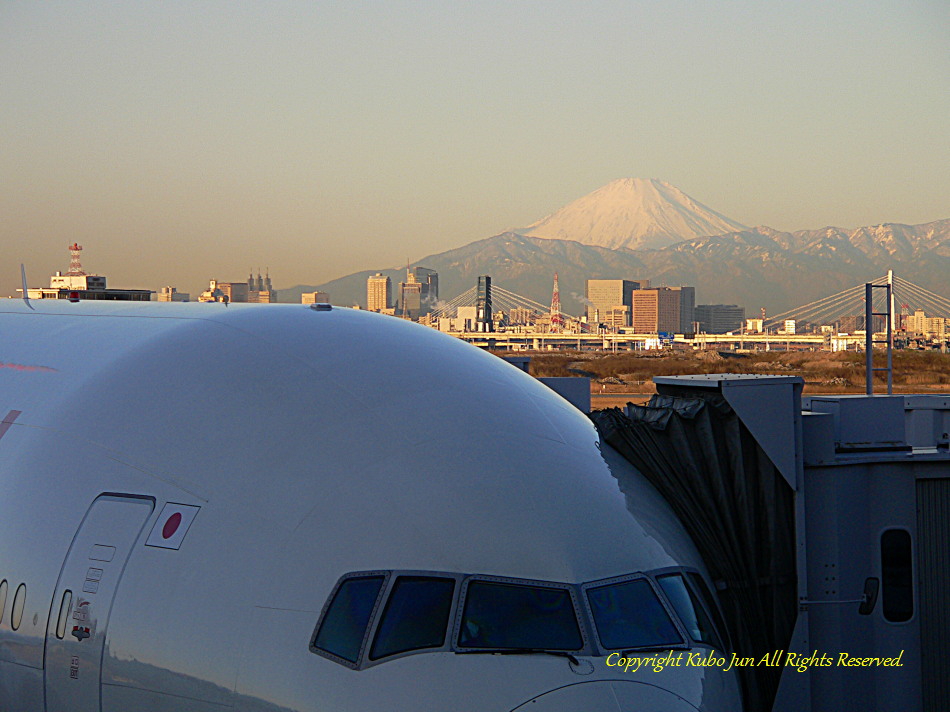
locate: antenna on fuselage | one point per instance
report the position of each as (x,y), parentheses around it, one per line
(26,294)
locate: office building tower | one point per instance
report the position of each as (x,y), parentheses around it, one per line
(656,310)
(610,301)
(378,292)
(720,318)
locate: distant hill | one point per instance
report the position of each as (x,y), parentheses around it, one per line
(760,267)
(525,265)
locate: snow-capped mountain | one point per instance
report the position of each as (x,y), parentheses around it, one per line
(758,267)
(633,213)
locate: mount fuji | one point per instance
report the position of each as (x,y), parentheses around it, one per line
(647,229)
(633,213)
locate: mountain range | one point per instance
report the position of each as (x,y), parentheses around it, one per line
(753,267)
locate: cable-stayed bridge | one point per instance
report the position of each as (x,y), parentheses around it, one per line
(907,298)
(502,299)
(831,311)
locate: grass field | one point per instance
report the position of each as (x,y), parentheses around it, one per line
(619,378)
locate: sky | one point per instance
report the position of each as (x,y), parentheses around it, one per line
(180,142)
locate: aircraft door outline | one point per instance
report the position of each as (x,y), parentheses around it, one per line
(82,601)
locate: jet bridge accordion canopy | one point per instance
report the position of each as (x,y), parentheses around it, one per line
(737,507)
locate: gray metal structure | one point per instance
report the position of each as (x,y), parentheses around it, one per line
(483,305)
(869,342)
(871,477)
(165,549)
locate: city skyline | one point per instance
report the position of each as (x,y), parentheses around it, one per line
(196,141)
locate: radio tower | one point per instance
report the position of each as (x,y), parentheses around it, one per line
(75,266)
(557,321)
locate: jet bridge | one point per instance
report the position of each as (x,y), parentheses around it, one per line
(825,521)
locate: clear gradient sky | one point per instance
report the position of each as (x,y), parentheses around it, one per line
(189,140)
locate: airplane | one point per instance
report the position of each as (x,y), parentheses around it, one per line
(269,508)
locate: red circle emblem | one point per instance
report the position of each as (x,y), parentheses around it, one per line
(171,525)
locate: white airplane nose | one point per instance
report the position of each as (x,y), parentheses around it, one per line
(607,696)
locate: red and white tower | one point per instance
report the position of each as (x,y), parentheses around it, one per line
(75,266)
(557,320)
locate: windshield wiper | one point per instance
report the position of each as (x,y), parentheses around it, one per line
(519,651)
(648,649)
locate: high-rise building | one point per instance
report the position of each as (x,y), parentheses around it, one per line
(719,318)
(657,309)
(378,292)
(410,296)
(920,323)
(419,293)
(429,279)
(687,308)
(606,299)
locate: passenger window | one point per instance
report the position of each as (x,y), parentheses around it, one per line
(64,607)
(689,609)
(629,614)
(19,601)
(897,587)
(501,615)
(3,598)
(344,624)
(416,616)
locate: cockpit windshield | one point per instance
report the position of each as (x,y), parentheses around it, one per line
(375,616)
(628,615)
(504,615)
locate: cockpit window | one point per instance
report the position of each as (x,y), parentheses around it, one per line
(689,609)
(704,593)
(416,616)
(506,615)
(629,615)
(344,624)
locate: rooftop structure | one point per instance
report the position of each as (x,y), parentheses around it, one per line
(75,284)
